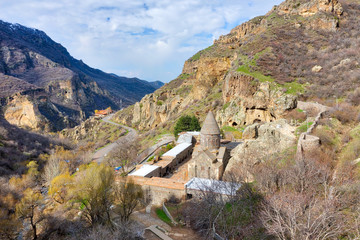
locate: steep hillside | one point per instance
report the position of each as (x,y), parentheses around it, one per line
(300,49)
(18,146)
(30,62)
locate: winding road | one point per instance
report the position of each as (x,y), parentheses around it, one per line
(130,136)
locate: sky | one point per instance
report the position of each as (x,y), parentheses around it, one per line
(148,39)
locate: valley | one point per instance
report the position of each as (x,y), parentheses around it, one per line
(257,138)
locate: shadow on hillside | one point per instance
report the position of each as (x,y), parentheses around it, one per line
(18,145)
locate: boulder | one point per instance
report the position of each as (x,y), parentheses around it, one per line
(273,137)
(316,68)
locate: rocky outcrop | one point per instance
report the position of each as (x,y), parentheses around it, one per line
(310,8)
(257,101)
(87,129)
(33,110)
(238,35)
(320,13)
(207,72)
(262,141)
(323,9)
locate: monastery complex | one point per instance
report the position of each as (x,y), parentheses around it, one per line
(196,163)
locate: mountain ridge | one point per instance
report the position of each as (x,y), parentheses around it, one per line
(29,59)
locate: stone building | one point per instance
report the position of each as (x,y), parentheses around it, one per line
(209,158)
(210,133)
(198,187)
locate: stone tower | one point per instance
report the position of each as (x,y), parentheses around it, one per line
(210,133)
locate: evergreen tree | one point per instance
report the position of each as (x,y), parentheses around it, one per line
(186,123)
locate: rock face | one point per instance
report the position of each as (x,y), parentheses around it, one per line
(261,141)
(30,60)
(33,110)
(207,72)
(84,130)
(310,8)
(257,101)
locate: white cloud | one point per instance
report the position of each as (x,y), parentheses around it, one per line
(149,39)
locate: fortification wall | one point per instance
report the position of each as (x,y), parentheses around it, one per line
(309,143)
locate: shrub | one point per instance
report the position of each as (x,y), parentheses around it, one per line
(295,114)
(327,138)
(345,113)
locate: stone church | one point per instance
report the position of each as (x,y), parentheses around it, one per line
(209,159)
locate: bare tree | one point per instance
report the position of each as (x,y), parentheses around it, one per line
(308,173)
(128,196)
(122,231)
(124,155)
(299,216)
(229,208)
(54,167)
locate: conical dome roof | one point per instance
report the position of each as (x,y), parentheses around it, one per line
(210,125)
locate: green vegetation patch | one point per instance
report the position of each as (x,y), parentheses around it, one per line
(184,76)
(162,216)
(249,65)
(304,127)
(294,88)
(196,57)
(151,158)
(237,133)
(229,129)
(200,53)
(183,91)
(225,106)
(255,74)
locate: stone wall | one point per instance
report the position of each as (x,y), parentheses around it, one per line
(309,143)
(158,190)
(156,195)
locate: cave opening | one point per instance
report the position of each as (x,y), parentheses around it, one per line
(257,121)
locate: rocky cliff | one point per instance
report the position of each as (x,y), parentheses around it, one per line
(30,60)
(257,71)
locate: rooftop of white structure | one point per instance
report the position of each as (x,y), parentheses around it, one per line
(177,150)
(184,138)
(210,125)
(144,170)
(211,185)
